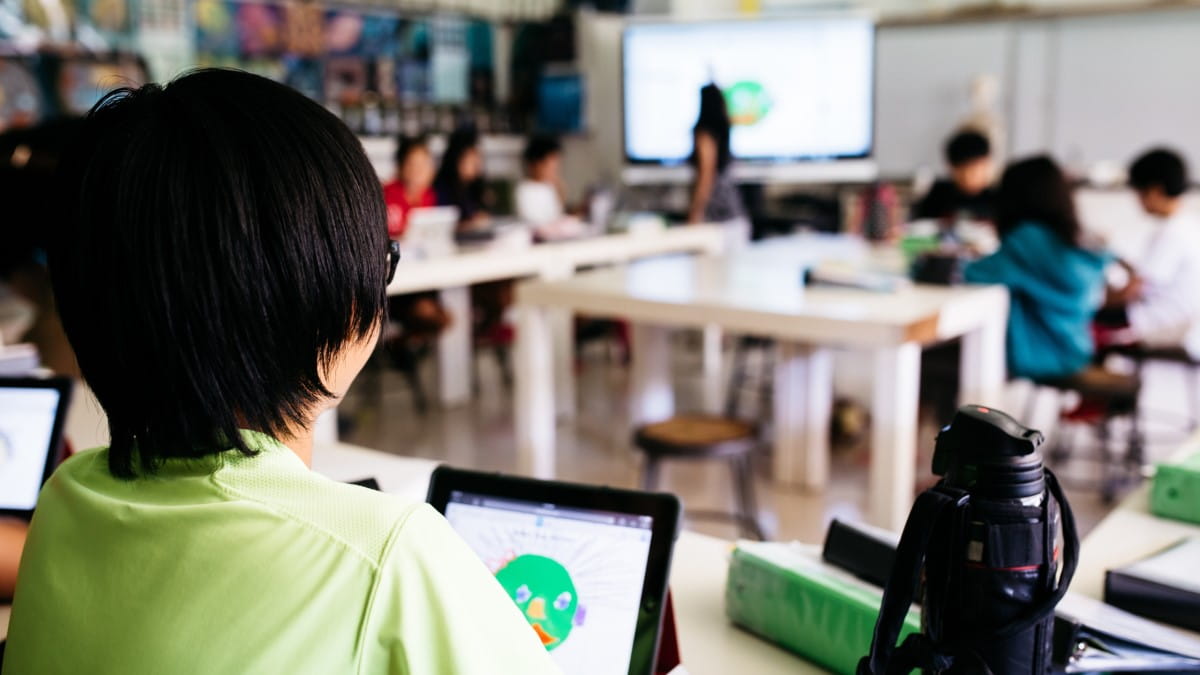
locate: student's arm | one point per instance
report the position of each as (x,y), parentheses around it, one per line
(992,269)
(932,204)
(12,540)
(706,175)
(437,609)
(1128,294)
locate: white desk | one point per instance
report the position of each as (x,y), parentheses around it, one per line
(452,275)
(708,642)
(758,292)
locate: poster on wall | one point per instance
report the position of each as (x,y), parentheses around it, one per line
(259,29)
(21,102)
(216,33)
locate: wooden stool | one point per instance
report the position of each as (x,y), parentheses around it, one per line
(705,437)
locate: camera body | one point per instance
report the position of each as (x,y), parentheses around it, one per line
(982,548)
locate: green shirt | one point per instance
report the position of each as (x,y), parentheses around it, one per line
(236,564)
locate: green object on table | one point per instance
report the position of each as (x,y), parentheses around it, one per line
(1176,490)
(786,594)
(913,246)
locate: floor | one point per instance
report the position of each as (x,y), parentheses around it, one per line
(379,413)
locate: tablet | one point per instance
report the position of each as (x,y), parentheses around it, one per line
(32,412)
(587,566)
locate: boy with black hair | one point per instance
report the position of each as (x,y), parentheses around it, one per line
(968,191)
(1161,303)
(220,272)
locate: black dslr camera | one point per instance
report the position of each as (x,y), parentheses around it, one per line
(983,546)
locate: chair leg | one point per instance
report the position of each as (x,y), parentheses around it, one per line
(505,363)
(1110,478)
(651,473)
(1194,398)
(737,378)
(1031,404)
(743,481)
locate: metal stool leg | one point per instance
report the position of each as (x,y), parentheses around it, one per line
(743,481)
(651,473)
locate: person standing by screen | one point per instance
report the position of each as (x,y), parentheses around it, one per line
(715,197)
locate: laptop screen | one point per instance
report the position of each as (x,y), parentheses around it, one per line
(27,417)
(576,574)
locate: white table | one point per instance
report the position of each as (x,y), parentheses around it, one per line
(759,292)
(708,642)
(452,275)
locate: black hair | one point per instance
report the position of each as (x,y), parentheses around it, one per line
(220,240)
(714,121)
(1160,168)
(967,146)
(1036,190)
(449,185)
(540,147)
(406,145)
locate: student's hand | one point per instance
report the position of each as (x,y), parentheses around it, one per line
(1127,295)
(12,541)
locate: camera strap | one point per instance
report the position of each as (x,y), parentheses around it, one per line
(930,511)
(931,508)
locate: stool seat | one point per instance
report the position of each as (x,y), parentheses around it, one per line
(699,436)
(706,437)
(1120,391)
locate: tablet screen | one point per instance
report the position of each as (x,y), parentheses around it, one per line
(27,418)
(576,574)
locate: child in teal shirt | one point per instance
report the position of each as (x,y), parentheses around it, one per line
(1056,283)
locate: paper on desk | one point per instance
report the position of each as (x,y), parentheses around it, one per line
(1176,566)
(1119,623)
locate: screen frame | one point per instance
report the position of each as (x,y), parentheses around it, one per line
(873,57)
(64,387)
(665,509)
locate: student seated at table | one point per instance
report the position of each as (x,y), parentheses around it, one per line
(1055,280)
(412,188)
(1160,304)
(540,196)
(968,192)
(715,197)
(419,316)
(459,181)
(220,274)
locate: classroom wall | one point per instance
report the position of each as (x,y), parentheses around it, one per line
(1089,89)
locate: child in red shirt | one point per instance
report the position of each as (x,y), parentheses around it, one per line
(413,185)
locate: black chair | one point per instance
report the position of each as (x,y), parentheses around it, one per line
(706,437)
(1141,354)
(1117,395)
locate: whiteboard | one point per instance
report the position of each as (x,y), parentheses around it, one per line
(922,84)
(1086,88)
(1126,82)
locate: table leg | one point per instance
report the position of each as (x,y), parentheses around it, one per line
(455,357)
(803,397)
(651,397)
(713,384)
(982,364)
(897,375)
(562,328)
(534,375)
